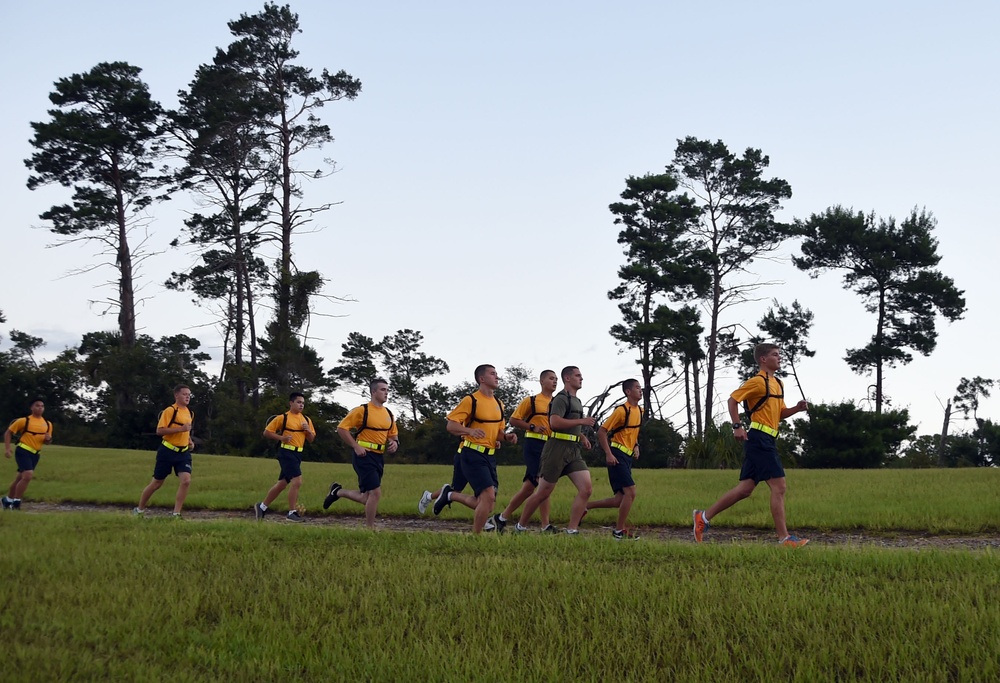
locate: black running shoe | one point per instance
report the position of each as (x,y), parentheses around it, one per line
(332,496)
(499,523)
(442,500)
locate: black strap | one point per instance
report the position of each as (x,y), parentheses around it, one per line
(28,431)
(173,416)
(625,425)
(569,406)
(767,394)
(364,421)
(472,413)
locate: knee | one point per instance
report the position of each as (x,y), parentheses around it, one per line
(628,494)
(489,495)
(778,488)
(27,475)
(586,490)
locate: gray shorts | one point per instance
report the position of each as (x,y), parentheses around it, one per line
(560,458)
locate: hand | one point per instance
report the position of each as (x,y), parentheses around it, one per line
(391,447)
(48,438)
(186,428)
(611,460)
(511,438)
(802,405)
(360,451)
(7,454)
(589,422)
(740,434)
(476,433)
(286,438)
(540,429)
(586,443)
(635,452)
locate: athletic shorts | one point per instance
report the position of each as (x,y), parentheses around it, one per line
(171,461)
(291,464)
(458,480)
(26,460)
(620,476)
(760,457)
(369,468)
(480,470)
(532,459)
(560,458)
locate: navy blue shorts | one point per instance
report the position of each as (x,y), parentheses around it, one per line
(760,457)
(369,469)
(620,476)
(26,460)
(480,470)
(458,480)
(291,464)
(532,459)
(168,460)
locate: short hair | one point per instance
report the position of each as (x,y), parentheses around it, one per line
(375,382)
(567,371)
(480,369)
(545,372)
(37,399)
(762,350)
(628,384)
(181,387)
(296,394)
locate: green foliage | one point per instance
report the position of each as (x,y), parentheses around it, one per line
(659,445)
(842,435)
(968,393)
(717,449)
(893,268)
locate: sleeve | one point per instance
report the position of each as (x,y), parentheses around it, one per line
(352,420)
(523,408)
(462,411)
(393,431)
(18,425)
(274,424)
(559,405)
(164,420)
(615,419)
(49,431)
(750,389)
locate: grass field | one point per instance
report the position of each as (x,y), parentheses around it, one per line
(938,501)
(103,596)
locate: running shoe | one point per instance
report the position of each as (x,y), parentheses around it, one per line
(332,496)
(500,524)
(294,516)
(550,529)
(425,500)
(793,541)
(701,524)
(259,511)
(442,500)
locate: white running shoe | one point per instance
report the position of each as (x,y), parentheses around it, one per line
(425,500)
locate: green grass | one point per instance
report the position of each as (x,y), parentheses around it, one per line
(938,501)
(100,596)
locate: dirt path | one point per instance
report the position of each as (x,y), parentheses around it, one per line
(898,539)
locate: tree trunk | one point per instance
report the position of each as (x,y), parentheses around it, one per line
(944,434)
(126,288)
(713,346)
(879,336)
(697,398)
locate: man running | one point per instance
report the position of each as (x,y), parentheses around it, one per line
(619,439)
(33,432)
(291,430)
(174,453)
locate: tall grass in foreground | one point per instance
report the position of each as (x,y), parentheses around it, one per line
(108,597)
(949,501)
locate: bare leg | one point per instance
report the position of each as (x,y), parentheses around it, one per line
(274,491)
(485,502)
(465,499)
(293,492)
(543,512)
(580,479)
(182,491)
(152,487)
(371,506)
(628,497)
(606,502)
(523,493)
(12,491)
(24,478)
(731,497)
(535,500)
(777,486)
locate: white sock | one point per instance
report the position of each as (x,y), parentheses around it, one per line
(704,516)
(263,507)
(502,518)
(520,528)
(448,497)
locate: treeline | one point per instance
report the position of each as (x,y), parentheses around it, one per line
(695,237)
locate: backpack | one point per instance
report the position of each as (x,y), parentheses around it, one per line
(569,406)
(17,436)
(625,425)
(472,413)
(284,423)
(173,416)
(364,422)
(760,402)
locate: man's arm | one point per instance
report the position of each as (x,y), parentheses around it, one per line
(602,438)
(310,432)
(163,431)
(459,429)
(797,408)
(734,413)
(348,438)
(557,422)
(274,436)
(6,443)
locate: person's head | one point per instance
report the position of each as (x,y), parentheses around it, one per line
(768,356)
(379,391)
(548,380)
(572,377)
(296,402)
(37,407)
(486,375)
(632,390)
(182,394)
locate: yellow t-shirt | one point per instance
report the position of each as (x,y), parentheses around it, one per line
(769,414)
(379,428)
(488,417)
(169,419)
(541,416)
(627,421)
(32,430)
(295,426)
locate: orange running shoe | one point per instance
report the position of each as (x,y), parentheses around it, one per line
(701,524)
(793,541)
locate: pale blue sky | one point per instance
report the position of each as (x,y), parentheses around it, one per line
(477,165)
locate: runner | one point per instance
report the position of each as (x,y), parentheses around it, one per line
(33,432)
(174,452)
(619,439)
(291,430)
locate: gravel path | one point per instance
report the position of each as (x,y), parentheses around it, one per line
(895,539)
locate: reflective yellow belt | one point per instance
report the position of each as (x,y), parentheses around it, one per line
(621,447)
(764,428)
(176,449)
(565,437)
(536,435)
(289,447)
(28,448)
(477,447)
(372,446)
